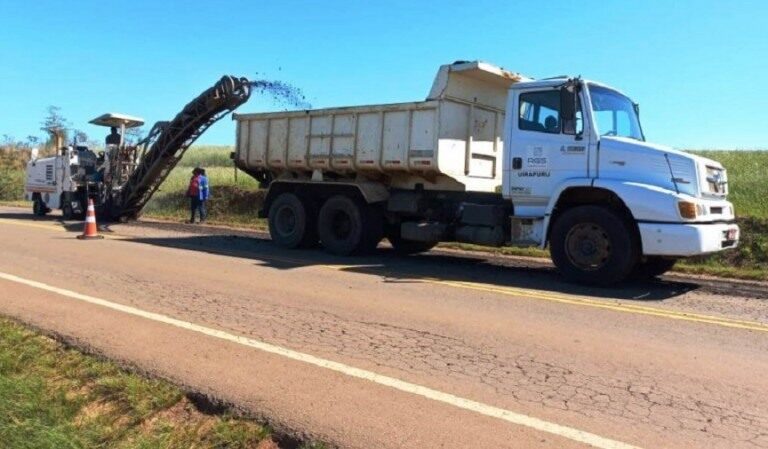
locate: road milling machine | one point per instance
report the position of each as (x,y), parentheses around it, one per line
(121,179)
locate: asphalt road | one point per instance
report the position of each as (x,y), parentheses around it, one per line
(436,351)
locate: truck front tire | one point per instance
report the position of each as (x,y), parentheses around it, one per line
(290,223)
(347,226)
(593,245)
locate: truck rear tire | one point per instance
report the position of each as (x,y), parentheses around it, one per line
(67,213)
(347,226)
(593,245)
(653,266)
(290,224)
(39,207)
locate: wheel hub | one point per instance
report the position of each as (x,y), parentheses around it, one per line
(342,225)
(588,246)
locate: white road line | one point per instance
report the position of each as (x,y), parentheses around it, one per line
(401,385)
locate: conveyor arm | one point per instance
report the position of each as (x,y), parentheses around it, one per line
(167,141)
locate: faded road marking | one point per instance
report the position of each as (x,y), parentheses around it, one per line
(56,226)
(397,384)
(605,304)
(26,223)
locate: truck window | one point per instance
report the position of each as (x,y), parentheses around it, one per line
(614,113)
(540,111)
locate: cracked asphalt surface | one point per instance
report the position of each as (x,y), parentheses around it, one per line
(650,381)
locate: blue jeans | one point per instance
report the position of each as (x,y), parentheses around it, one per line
(197,205)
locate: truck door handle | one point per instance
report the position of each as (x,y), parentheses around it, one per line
(517,163)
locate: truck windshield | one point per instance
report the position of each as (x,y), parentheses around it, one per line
(615,114)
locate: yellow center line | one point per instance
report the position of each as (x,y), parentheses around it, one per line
(56,227)
(614,305)
(604,304)
(31,224)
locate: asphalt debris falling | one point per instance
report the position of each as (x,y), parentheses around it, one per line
(282,93)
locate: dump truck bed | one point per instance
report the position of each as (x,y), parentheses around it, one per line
(451,141)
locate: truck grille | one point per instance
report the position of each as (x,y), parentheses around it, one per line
(716,181)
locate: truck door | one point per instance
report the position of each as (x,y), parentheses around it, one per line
(545,148)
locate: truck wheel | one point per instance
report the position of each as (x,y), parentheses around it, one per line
(347,226)
(80,216)
(39,207)
(405,247)
(289,224)
(653,266)
(67,213)
(593,245)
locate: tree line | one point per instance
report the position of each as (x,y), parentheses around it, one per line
(59,131)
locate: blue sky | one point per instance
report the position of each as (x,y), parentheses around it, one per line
(697,68)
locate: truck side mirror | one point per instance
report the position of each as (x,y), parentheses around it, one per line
(568,109)
(567,104)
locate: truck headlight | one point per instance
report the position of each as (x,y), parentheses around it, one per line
(687,209)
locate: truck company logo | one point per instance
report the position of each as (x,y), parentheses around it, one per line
(537,158)
(572,149)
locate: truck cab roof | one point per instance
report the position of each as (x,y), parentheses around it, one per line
(557,81)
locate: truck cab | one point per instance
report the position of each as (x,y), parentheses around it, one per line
(583,179)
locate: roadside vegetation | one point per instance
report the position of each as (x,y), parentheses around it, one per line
(55,397)
(236,199)
(13,160)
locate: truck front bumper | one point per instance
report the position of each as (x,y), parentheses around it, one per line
(664,239)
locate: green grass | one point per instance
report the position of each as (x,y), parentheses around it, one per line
(11,184)
(207,156)
(55,397)
(235,199)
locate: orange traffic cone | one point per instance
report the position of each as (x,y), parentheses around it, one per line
(90,232)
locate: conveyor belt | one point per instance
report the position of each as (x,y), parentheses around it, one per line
(167,142)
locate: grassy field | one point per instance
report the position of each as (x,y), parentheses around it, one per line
(235,198)
(208,156)
(55,397)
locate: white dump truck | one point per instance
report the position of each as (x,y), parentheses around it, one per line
(490,158)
